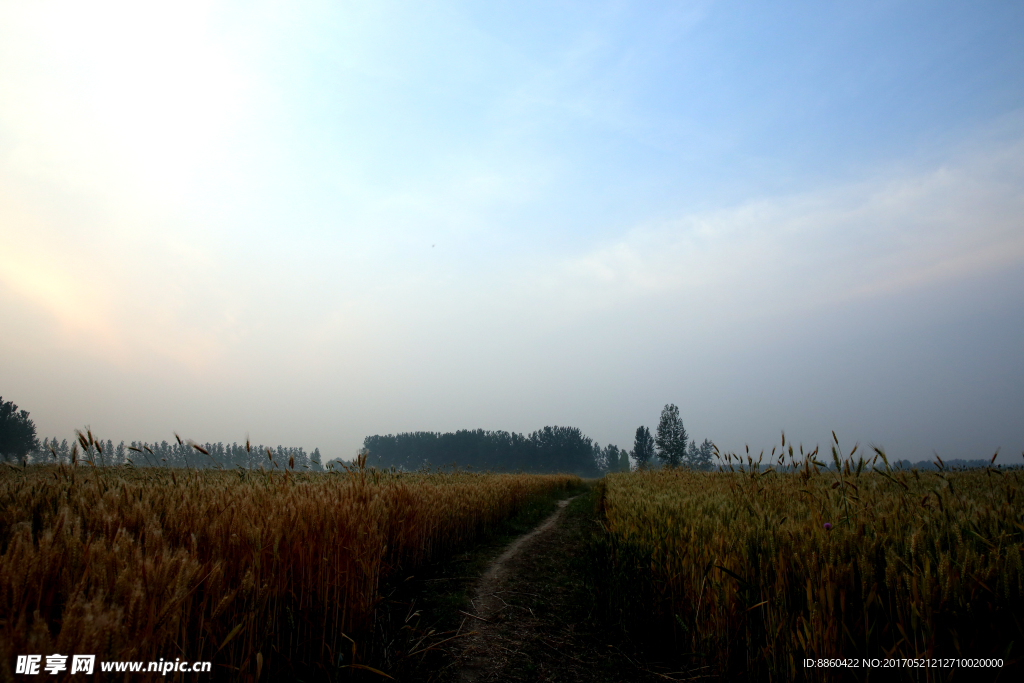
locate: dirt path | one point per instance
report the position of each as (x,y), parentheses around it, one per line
(536,619)
(481,650)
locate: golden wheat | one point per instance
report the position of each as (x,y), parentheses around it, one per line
(756,570)
(138,564)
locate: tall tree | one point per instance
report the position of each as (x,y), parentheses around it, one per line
(643,448)
(63,451)
(700,457)
(623,460)
(609,458)
(706,454)
(17,432)
(671,439)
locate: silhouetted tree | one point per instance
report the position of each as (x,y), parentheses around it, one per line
(671,439)
(643,448)
(52,452)
(699,457)
(607,458)
(623,460)
(17,432)
(563,449)
(610,458)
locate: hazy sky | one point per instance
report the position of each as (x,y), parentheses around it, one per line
(313,223)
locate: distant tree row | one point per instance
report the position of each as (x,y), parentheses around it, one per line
(551,449)
(954,464)
(176,454)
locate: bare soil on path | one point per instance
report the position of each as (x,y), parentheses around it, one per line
(488,605)
(530,614)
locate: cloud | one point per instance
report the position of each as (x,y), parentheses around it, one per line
(812,250)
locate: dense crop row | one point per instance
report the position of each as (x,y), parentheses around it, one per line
(751,572)
(234,567)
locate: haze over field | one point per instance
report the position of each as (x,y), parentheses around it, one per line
(311,224)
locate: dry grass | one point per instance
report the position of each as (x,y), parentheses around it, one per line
(233,567)
(740,570)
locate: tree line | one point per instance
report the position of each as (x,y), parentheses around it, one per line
(19,442)
(175,454)
(551,449)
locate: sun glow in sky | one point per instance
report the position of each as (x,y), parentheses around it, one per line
(313,222)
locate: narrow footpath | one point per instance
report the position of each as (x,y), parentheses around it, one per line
(530,615)
(482,651)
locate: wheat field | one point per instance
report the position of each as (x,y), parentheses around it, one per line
(235,567)
(754,569)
